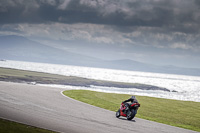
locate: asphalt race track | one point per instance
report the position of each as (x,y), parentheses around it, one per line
(47,108)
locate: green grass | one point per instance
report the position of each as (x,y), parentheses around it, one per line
(13,127)
(184,114)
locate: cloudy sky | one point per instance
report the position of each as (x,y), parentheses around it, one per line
(162,32)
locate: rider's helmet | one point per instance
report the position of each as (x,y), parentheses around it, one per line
(134,99)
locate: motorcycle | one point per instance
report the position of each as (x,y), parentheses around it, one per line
(128,110)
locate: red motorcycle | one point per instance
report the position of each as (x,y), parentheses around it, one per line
(128,110)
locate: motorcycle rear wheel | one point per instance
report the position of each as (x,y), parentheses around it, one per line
(118,113)
(130,114)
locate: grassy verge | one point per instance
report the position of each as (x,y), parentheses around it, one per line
(184,114)
(13,127)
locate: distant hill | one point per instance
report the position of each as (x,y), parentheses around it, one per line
(144,67)
(22,49)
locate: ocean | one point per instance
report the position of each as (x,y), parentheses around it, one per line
(187,87)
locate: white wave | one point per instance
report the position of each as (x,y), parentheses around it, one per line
(187,86)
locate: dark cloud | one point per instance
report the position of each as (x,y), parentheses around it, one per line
(158,21)
(197,2)
(165,13)
(18,12)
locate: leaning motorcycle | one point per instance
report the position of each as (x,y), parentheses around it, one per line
(128,110)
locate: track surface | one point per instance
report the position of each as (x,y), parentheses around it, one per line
(47,108)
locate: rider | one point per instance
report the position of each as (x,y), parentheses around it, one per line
(132,100)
